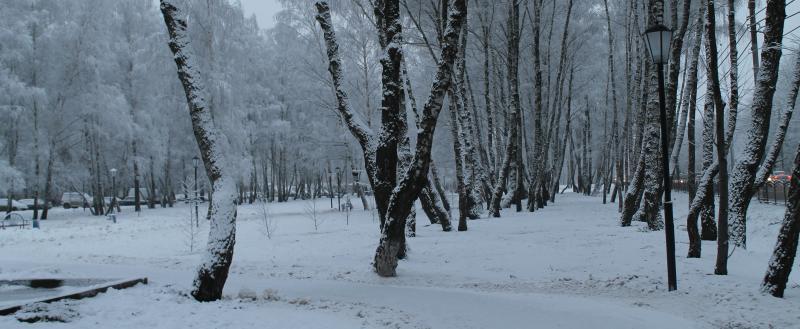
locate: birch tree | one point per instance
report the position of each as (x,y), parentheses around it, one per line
(744,173)
(512,146)
(782,260)
(213,270)
(397,197)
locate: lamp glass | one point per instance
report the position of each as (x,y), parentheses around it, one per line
(659,41)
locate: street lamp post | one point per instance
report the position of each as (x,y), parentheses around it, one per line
(330,185)
(355,180)
(196,162)
(659,39)
(338,188)
(113,189)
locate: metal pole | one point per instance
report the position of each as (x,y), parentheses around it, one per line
(113,192)
(196,199)
(775,192)
(669,226)
(784,193)
(339,190)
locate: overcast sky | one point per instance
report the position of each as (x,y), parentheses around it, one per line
(264,10)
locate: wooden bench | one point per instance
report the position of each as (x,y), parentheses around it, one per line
(14,220)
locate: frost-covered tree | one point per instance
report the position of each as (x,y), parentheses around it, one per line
(782,261)
(213,271)
(744,174)
(394,196)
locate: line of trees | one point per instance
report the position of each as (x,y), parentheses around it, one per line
(540,96)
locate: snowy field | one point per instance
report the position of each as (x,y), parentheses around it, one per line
(567,266)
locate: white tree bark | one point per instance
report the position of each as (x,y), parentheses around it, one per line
(213,270)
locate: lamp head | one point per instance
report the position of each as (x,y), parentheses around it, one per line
(659,42)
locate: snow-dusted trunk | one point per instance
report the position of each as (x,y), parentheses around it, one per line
(721,267)
(405,191)
(707,216)
(151,188)
(48,183)
(404,161)
(437,185)
(433,208)
(650,149)
(690,106)
(588,155)
(512,147)
(390,38)
(536,183)
(461,186)
(780,265)
(751,18)
(651,137)
(634,196)
(466,133)
(616,148)
(137,196)
(37,171)
(491,138)
(213,270)
(413,180)
(674,69)
(744,173)
(428,198)
(780,134)
(558,163)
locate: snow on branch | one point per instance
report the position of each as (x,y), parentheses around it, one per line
(354,122)
(412,180)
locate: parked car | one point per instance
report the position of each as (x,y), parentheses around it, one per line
(779,176)
(131,199)
(15,205)
(29,203)
(75,200)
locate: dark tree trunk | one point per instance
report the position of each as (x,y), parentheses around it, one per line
(213,271)
(780,135)
(780,265)
(403,193)
(721,267)
(690,101)
(137,196)
(512,147)
(48,183)
(744,173)
(461,188)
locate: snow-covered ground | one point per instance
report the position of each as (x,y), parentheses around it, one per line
(567,266)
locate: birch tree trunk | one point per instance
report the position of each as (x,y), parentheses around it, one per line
(436,210)
(721,267)
(690,102)
(213,270)
(512,148)
(651,138)
(755,143)
(780,134)
(616,149)
(403,193)
(558,164)
(536,181)
(751,8)
(782,260)
(48,183)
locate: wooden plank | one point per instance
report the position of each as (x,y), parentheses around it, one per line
(119,284)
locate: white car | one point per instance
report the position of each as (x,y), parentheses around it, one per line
(29,203)
(75,200)
(15,205)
